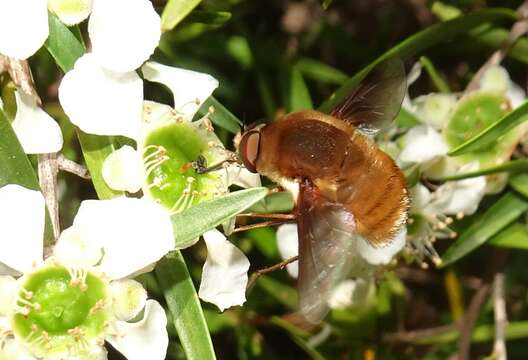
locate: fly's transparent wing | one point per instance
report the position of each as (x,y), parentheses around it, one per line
(326,249)
(377,100)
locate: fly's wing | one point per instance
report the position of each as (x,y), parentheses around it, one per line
(377,100)
(326,249)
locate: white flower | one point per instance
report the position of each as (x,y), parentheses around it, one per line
(434,109)
(224,276)
(70,12)
(102,102)
(123,170)
(124,33)
(37,132)
(189,88)
(24,23)
(23,27)
(352,293)
(497,79)
(288,244)
(108,241)
(422,145)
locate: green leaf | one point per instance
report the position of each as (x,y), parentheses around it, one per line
(277,202)
(284,294)
(506,210)
(326,3)
(419,42)
(514,236)
(298,336)
(209,17)
(436,78)
(265,241)
(493,38)
(519,183)
(196,220)
(319,71)
(62,44)
(95,150)
(15,167)
(221,116)
(297,97)
(510,166)
(493,131)
(175,11)
(184,305)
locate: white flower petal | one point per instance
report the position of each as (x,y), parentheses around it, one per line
(91,353)
(102,102)
(189,88)
(434,109)
(240,176)
(70,12)
(132,232)
(123,170)
(455,197)
(496,79)
(23,27)
(74,250)
(350,292)
(516,95)
(422,144)
(146,339)
(8,289)
(21,227)
(288,244)
(124,33)
(420,197)
(37,132)
(12,349)
(224,276)
(382,255)
(129,298)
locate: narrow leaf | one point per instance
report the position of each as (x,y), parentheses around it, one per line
(95,150)
(514,236)
(419,42)
(184,305)
(519,183)
(510,166)
(506,210)
(221,116)
(175,11)
(15,167)
(319,71)
(196,220)
(494,131)
(435,76)
(62,44)
(209,17)
(298,97)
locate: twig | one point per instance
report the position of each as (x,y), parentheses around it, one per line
(499,346)
(518,29)
(47,171)
(259,225)
(414,335)
(72,167)
(269,216)
(469,320)
(20,73)
(275,267)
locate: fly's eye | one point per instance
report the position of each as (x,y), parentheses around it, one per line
(249,149)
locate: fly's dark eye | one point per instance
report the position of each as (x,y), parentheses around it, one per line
(249,149)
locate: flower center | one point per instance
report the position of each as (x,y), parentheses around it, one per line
(170,155)
(60,310)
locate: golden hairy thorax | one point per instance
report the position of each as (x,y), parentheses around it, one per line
(343,163)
